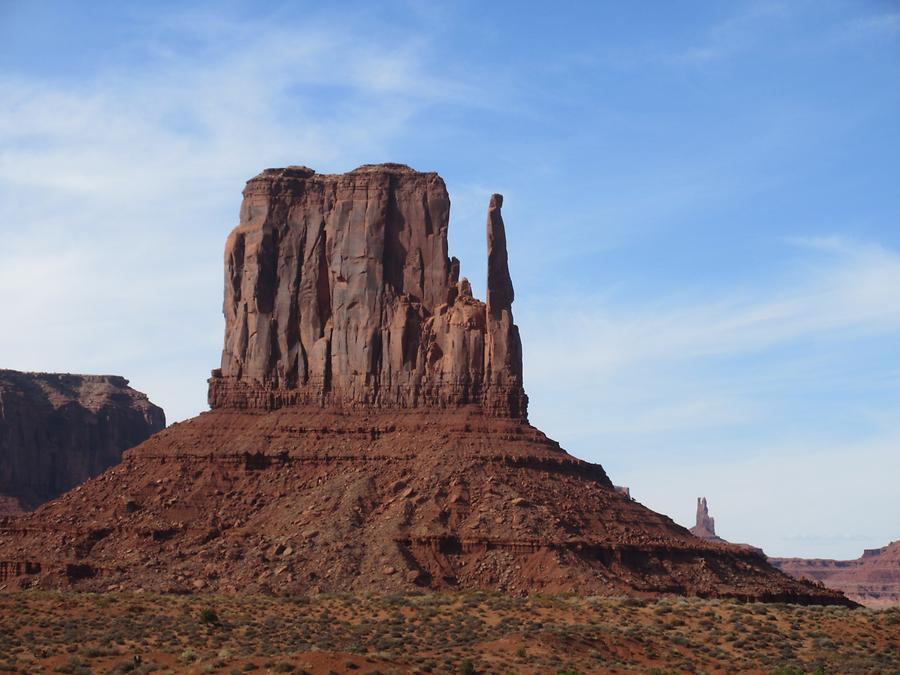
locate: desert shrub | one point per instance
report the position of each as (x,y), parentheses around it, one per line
(466,668)
(208,616)
(787,670)
(74,665)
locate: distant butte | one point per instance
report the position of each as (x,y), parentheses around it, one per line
(58,429)
(368,431)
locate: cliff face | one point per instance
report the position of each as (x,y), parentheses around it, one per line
(58,430)
(339,292)
(872,579)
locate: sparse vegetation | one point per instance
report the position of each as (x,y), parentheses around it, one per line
(440,633)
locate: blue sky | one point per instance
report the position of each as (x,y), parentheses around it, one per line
(702,202)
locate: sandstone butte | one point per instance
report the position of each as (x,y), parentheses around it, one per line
(368,431)
(57,430)
(872,579)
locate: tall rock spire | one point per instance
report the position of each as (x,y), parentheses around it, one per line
(500,294)
(705,526)
(503,347)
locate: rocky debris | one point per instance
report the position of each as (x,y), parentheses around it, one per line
(339,292)
(705,526)
(58,430)
(368,431)
(872,579)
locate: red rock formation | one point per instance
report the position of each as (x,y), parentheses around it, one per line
(872,580)
(368,431)
(339,292)
(705,526)
(56,431)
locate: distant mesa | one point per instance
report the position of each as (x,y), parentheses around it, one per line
(872,579)
(368,431)
(58,430)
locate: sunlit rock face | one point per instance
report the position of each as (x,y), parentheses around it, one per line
(339,292)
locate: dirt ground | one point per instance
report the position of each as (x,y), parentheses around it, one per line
(442,633)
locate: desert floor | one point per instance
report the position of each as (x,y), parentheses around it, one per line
(440,633)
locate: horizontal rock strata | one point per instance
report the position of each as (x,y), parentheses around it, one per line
(303,500)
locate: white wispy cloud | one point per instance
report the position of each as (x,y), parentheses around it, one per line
(852,290)
(655,391)
(114,188)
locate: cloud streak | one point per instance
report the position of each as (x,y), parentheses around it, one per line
(685,395)
(111,189)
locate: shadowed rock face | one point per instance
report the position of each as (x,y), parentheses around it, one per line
(58,430)
(339,292)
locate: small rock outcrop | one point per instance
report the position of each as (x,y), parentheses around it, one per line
(872,580)
(58,430)
(339,292)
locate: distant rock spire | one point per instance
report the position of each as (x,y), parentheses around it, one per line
(500,294)
(705,526)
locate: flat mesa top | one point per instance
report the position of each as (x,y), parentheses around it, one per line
(301,172)
(118,380)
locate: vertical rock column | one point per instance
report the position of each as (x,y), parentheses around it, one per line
(503,347)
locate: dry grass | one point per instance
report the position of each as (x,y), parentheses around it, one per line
(472,632)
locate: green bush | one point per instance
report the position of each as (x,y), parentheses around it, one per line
(208,616)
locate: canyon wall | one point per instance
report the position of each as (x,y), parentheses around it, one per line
(58,430)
